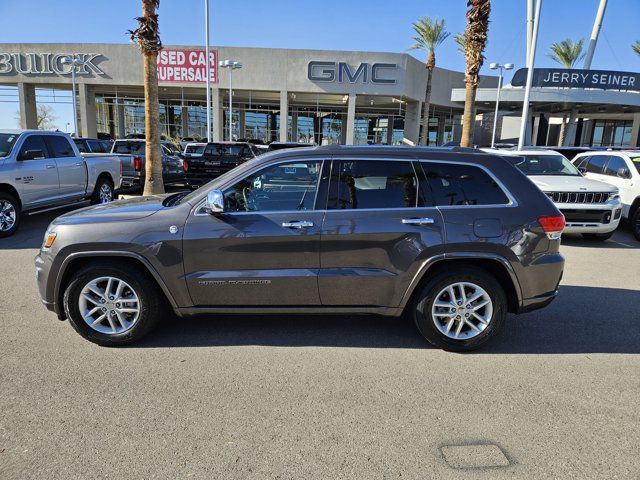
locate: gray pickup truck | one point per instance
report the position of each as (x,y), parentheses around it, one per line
(132,151)
(42,170)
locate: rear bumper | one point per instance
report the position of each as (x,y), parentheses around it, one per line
(539,282)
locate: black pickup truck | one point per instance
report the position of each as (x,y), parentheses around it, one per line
(218,158)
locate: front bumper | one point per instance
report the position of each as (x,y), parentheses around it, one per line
(591,218)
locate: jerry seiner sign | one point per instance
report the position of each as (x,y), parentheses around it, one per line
(186,66)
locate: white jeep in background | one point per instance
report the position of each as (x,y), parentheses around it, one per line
(619,168)
(591,207)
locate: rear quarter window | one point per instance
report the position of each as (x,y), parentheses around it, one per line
(457,184)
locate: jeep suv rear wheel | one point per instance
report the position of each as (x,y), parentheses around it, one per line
(111,305)
(461,309)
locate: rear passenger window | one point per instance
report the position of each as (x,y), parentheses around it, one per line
(59,146)
(596,163)
(96,146)
(453,184)
(373,184)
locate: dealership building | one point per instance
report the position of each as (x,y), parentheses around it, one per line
(325,96)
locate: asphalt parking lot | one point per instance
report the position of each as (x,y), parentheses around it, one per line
(556,396)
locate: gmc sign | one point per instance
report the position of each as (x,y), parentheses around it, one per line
(341,72)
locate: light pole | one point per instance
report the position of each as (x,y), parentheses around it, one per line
(495,66)
(74,62)
(531,64)
(231,65)
(208,67)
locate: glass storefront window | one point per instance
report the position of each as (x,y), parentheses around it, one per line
(615,133)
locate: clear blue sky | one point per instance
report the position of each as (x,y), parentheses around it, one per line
(369,25)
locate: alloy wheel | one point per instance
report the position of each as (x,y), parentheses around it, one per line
(7,215)
(462,310)
(106,194)
(109,305)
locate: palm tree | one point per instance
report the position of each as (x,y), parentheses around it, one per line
(462,43)
(475,39)
(429,34)
(636,47)
(147,36)
(567,52)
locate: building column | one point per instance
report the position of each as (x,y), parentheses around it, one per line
(294,126)
(28,106)
(351,119)
(284,115)
(217,120)
(635,131)
(412,121)
(242,121)
(389,138)
(88,121)
(184,119)
(120,126)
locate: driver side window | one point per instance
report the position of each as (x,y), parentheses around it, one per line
(281,187)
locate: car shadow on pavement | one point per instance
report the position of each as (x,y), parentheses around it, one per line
(580,320)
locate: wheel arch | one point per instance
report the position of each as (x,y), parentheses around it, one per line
(74,262)
(496,265)
(634,206)
(10,189)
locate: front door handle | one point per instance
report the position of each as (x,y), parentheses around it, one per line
(78,164)
(417,221)
(297,224)
(51,166)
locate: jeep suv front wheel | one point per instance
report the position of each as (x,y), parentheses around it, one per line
(111,304)
(461,309)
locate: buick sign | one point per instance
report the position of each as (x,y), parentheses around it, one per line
(49,64)
(563,78)
(342,72)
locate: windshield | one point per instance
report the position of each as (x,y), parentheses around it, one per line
(531,164)
(6,143)
(636,162)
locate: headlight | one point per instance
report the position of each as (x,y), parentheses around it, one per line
(49,238)
(614,196)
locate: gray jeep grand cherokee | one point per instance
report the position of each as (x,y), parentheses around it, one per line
(452,237)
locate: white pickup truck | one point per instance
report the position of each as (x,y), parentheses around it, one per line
(591,208)
(41,171)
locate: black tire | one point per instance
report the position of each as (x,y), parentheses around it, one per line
(598,236)
(150,297)
(102,183)
(634,222)
(9,206)
(426,296)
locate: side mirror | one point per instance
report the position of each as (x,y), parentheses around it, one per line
(214,204)
(624,173)
(35,154)
(582,170)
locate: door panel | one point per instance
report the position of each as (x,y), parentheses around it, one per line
(38,178)
(265,250)
(376,234)
(72,172)
(370,257)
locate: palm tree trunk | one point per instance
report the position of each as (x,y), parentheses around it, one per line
(468,118)
(563,131)
(426,106)
(153,154)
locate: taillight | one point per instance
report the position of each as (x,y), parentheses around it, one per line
(185,165)
(137,164)
(552,225)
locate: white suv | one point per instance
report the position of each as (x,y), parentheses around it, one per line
(619,168)
(590,207)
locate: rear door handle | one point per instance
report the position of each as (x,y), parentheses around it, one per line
(417,221)
(78,164)
(297,224)
(51,166)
